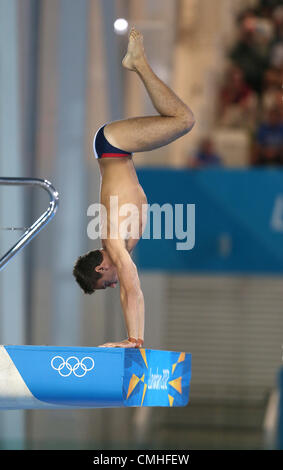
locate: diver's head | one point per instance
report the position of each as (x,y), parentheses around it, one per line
(95,270)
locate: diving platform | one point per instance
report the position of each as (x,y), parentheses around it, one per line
(53,377)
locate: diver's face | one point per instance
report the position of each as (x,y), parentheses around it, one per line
(109,273)
(109,279)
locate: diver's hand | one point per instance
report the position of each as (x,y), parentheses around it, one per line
(122,344)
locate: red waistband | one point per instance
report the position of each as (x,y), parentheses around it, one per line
(110,155)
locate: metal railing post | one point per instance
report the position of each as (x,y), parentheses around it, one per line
(38,225)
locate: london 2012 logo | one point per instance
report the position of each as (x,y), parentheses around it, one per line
(72,365)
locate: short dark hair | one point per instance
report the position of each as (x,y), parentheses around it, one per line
(84,271)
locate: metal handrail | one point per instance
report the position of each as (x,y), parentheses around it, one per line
(38,225)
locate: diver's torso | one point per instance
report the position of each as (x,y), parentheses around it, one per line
(124,200)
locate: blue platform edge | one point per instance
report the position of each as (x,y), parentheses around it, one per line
(89,377)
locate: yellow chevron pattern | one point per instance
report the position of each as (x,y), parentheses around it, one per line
(180,359)
(175,383)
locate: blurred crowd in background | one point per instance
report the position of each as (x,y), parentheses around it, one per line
(251,94)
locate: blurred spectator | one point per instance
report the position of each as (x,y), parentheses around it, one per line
(268,145)
(206,156)
(276,50)
(238,102)
(251,51)
(266,7)
(272,89)
(276,55)
(277,17)
(264,33)
(254,84)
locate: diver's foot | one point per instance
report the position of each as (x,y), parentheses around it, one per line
(135,54)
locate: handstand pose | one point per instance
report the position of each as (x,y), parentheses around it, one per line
(111,264)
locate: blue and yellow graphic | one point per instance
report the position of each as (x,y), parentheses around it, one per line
(156,378)
(80,377)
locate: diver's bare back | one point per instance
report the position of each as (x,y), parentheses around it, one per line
(123,198)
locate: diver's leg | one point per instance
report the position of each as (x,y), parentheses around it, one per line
(141,134)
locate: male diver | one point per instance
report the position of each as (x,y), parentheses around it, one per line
(114,145)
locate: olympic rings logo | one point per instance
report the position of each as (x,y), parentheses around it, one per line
(72,365)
